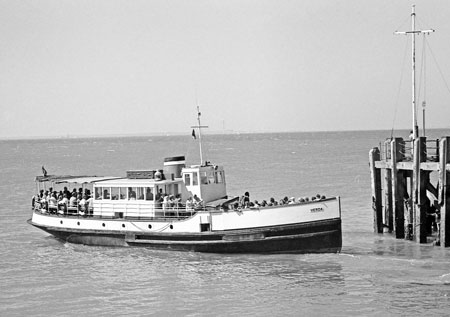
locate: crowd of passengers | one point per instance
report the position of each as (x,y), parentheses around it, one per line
(64,202)
(171,202)
(77,202)
(245,202)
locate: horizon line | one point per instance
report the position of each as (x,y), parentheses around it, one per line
(173,133)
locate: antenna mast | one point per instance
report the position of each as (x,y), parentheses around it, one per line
(199,127)
(413,32)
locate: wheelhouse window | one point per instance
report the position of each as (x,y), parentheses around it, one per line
(187,179)
(203,178)
(195,179)
(211,178)
(219,177)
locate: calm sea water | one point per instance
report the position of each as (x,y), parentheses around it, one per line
(374,275)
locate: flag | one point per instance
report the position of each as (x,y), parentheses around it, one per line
(193,134)
(44,171)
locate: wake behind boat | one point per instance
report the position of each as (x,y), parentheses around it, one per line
(182,207)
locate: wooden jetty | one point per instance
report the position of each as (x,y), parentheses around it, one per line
(410,190)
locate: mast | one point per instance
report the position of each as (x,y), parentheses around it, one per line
(413,32)
(199,127)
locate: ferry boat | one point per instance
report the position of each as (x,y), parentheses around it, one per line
(181,207)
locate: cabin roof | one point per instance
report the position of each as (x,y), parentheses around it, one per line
(129,182)
(60,179)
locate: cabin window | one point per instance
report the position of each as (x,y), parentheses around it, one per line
(106,194)
(98,193)
(211,178)
(187,179)
(194,179)
(115,193)
(140,193)
(122,193)
(176,189)
(219,177)
(203,178)
(131,193)
(148,193)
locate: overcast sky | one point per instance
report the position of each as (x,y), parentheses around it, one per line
(140,67)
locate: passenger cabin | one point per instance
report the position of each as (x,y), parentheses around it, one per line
(141,193)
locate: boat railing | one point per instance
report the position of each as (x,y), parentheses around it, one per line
(176,212)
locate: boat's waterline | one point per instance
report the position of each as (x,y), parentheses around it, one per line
(313,237)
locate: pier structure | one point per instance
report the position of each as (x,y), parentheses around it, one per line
(410,190)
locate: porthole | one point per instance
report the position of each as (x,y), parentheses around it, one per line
(123,225)
(61,222)
(78,223)
(171,227)
(103,224)
(149,226)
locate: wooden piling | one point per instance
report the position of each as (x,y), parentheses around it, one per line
(388,210)
(398,189)
(388,214)
(420,181)
(443,192)
(374,155)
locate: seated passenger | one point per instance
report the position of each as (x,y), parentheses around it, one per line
(245,200)
(53,203)
(272,202)
(89,205)
(159,194)
(62,204)
(82,210)
(177,201)
(165,204)
(197,201)
(172,201)
(189,204)
(131,194)
(44,203)
(73,200)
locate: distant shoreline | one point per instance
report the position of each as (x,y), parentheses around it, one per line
(227,132)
